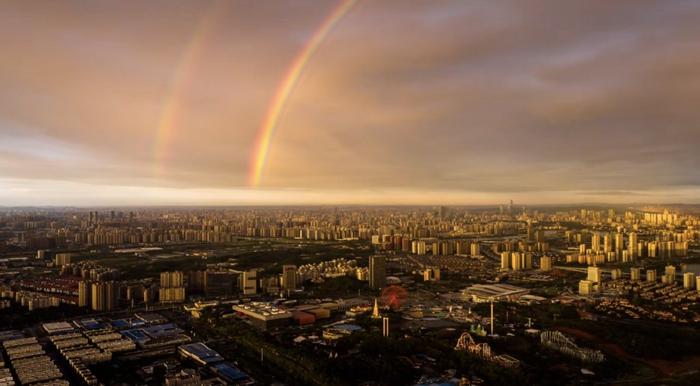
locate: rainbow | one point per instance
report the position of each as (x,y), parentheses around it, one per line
(182,77)
(285,88)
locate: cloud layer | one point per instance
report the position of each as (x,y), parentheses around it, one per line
(429,101)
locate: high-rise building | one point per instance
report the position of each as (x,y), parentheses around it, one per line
(149,296)
(527,260)
(172,289)
(196,281)
(219,283)
(594,275)
(670,270)
(84,293)
(134,293)
(651,275)
(635,274)
(619,243)
(595,242)
(62,259)
(249,282)
(546,263)
(689,280)
(377,272)
(539,236)
(516,262)
(419,247)
(585,287)
(607,242)
(171,279)
(385,326)
(289,277)
(475,249)
(632,246)
(505,261)
(104,296)
(616,274)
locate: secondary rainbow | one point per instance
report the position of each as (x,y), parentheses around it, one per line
(182,76)
(285,88)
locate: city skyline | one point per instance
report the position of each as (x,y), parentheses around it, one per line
(348,102)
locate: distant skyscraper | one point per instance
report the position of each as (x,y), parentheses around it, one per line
(595,242)
(377,272)
(289,277)
(607,242)
(619,243)
(632,246)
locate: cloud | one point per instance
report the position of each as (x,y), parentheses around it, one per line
(521,97)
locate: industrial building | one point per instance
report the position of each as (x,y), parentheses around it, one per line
(200,353)
(496,292)
(264,315)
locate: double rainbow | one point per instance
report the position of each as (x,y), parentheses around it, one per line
(183,73)
(285,88)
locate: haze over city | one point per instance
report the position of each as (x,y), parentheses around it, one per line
(350,102)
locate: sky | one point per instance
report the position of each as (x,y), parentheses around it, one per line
(160,102)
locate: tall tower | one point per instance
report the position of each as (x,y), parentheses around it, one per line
(619,241)
(377,272)
(632,246)
(595,242)
(385,326)
(375,310)
(491,316)
(607,242)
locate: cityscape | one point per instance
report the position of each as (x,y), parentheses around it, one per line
(349,192)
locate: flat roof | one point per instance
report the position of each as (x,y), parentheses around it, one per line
(201,352)
(52,328)
(230,372)
(260,310)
